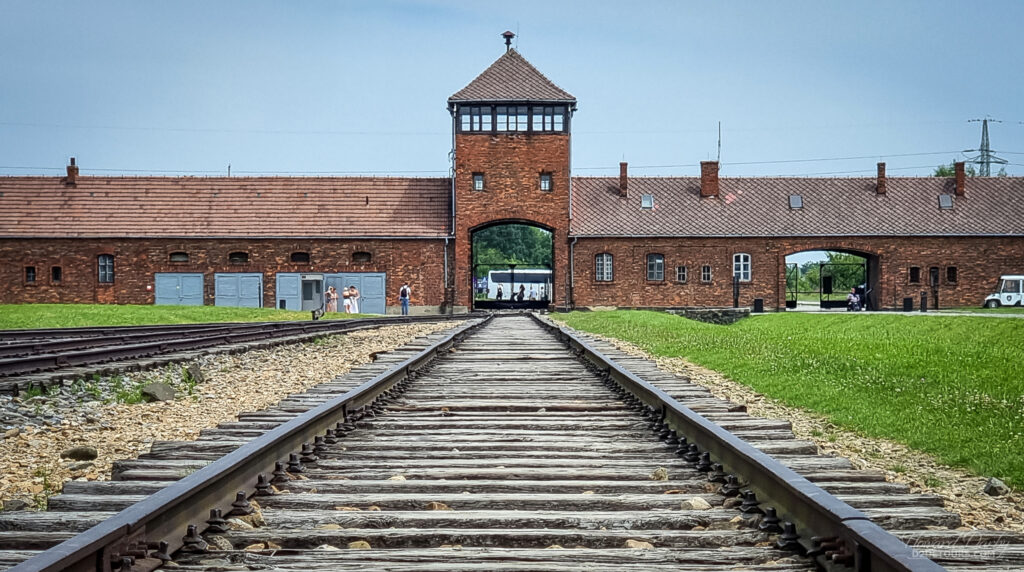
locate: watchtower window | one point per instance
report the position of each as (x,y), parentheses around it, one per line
(549,118)
(238,258)
(512,118)
(475,118)
(478,181)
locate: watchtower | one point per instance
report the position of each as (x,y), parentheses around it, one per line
(511,131)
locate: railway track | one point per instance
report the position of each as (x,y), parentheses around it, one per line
(497,447)
(41,358)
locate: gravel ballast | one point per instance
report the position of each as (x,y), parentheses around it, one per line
(37,430)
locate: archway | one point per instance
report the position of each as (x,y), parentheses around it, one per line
(821,278)
(509,258)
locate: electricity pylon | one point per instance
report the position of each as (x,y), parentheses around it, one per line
(984,157)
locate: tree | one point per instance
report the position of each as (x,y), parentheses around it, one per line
(496,247)
(950,171)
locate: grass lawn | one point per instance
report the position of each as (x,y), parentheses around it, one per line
(948,385)
(19,316)
(999,310)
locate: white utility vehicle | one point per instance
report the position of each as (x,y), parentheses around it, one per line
(1011,292)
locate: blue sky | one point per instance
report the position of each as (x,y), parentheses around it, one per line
(319,87)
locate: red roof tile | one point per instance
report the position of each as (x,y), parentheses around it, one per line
(760,207)
(224,207)
(511,78)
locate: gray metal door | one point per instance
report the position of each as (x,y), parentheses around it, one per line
(239,290)
(371,287)
(179,289)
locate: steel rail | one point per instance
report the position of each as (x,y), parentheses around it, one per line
(797,500)
(165,515)
(95,350)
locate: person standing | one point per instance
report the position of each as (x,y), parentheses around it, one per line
(403,296)
(500,294)
(346,298)
(522,293)
(353,295)
(332,299)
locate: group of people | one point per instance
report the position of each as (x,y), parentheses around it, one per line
(516,296)
(349,296)
(350,299)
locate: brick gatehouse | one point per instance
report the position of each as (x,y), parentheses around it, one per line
(624,241)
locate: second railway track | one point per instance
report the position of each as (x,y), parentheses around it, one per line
(505,452)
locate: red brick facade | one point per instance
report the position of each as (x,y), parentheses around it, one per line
(511,165)
(420,262)
(978,261)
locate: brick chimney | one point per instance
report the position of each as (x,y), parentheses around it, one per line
(623,179)
(961,178)
(880,185)
(72,178)
(709,178)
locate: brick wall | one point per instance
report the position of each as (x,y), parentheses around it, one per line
(979,262)
(420,262)
(511,164)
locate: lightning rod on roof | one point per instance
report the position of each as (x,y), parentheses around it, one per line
(719,158)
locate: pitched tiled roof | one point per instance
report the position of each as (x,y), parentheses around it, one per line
(511,78)
(760,207)
(223,207)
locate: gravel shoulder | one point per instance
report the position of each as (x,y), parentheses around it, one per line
(31,468)
(961,491)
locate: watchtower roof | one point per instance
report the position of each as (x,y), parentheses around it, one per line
(511,78)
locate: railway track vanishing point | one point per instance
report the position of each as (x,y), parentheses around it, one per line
(496,446)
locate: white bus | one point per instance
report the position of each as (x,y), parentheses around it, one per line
(537,280)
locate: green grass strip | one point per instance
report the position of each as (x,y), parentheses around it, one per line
(20,316)
(952,386)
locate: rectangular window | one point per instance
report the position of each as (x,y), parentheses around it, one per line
(951,274)
(741,267)
(478,181)
(475,119)
(549,118)
(106,268)
(30,274)
(705,273)
(512,118)
(655,267)
(915,275)
(680,274)
(545,181)
(603,267)
(56,274)
(647,201)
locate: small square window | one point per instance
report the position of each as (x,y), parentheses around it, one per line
(945,202)
(30,274)
(680,274)
(915,275)
(705,273)
(647,202)
(478,181)
(545,182)
(796,201)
